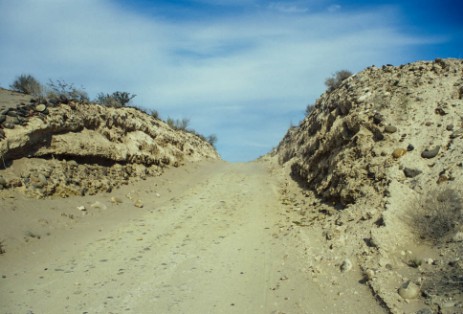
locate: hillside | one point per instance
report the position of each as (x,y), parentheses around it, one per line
(382,157)
(62,147)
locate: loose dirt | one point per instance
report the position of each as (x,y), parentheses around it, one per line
(211,237)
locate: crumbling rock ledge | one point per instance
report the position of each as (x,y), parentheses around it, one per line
(80,148)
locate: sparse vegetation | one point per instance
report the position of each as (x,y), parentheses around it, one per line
(437,214)
(309,109)
(27,84)
(335,81)
(61,89)
(116,99)
(154,113)
(212,139)
(178,124)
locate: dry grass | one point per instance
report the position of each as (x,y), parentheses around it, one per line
(437,214)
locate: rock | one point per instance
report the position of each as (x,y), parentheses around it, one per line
(116,200)
(369,274)
(411,173)
(8,125)
(398,152)
(40,108)
(449,127)
(425,311)
(3,182)
(440,111)
(390,129)
(456,133)
(81,208)
(138,204)
(346,265)
(410,147)
(430,152)
(458,237)
(2,118)
(377,118)
(98,205)
(409,290)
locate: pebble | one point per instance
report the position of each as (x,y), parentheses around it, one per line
(390,129)
(40,107)
(425,311)
(458,237)
(98,205)
(346,265)
(81,208)
(430,152)
(138,204)
(398,152)
(411,172)
(409,290)
(369,274)
(116,200)
(3,182)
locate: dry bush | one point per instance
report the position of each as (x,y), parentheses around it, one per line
(27,84)
(335,81)
(437,213)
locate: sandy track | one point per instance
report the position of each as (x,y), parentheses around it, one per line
(217,243)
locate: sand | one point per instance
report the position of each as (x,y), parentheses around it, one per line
(211,237)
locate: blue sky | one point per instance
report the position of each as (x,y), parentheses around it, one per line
(241,69)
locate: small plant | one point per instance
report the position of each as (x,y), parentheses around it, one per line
(437,214)
(178,124)
(415,262)
(154,113)
(116,99)
(27,84)
(61,89)
(212,139)
(309,109)
(335,81)
(2,248)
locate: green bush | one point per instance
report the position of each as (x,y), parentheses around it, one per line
(335,81)
(116,99)
(27,84)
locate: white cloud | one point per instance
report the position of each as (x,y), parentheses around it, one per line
(257,69)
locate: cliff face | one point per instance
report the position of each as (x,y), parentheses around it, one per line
(382,124)
(386,147)
(72,148)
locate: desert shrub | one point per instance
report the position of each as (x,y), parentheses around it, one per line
(154,113)
(437,213)
(178,124)
(116,99)
(27,84)
(61,89)
(212,139)
(335,81)
(309,109)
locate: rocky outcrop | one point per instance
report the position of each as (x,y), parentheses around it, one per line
(386,147)
(377,125)
(64,147)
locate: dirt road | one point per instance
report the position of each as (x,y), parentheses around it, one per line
(212,238)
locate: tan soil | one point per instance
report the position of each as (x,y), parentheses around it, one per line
(212,237)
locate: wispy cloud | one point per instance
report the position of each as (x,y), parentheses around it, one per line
(242,76)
